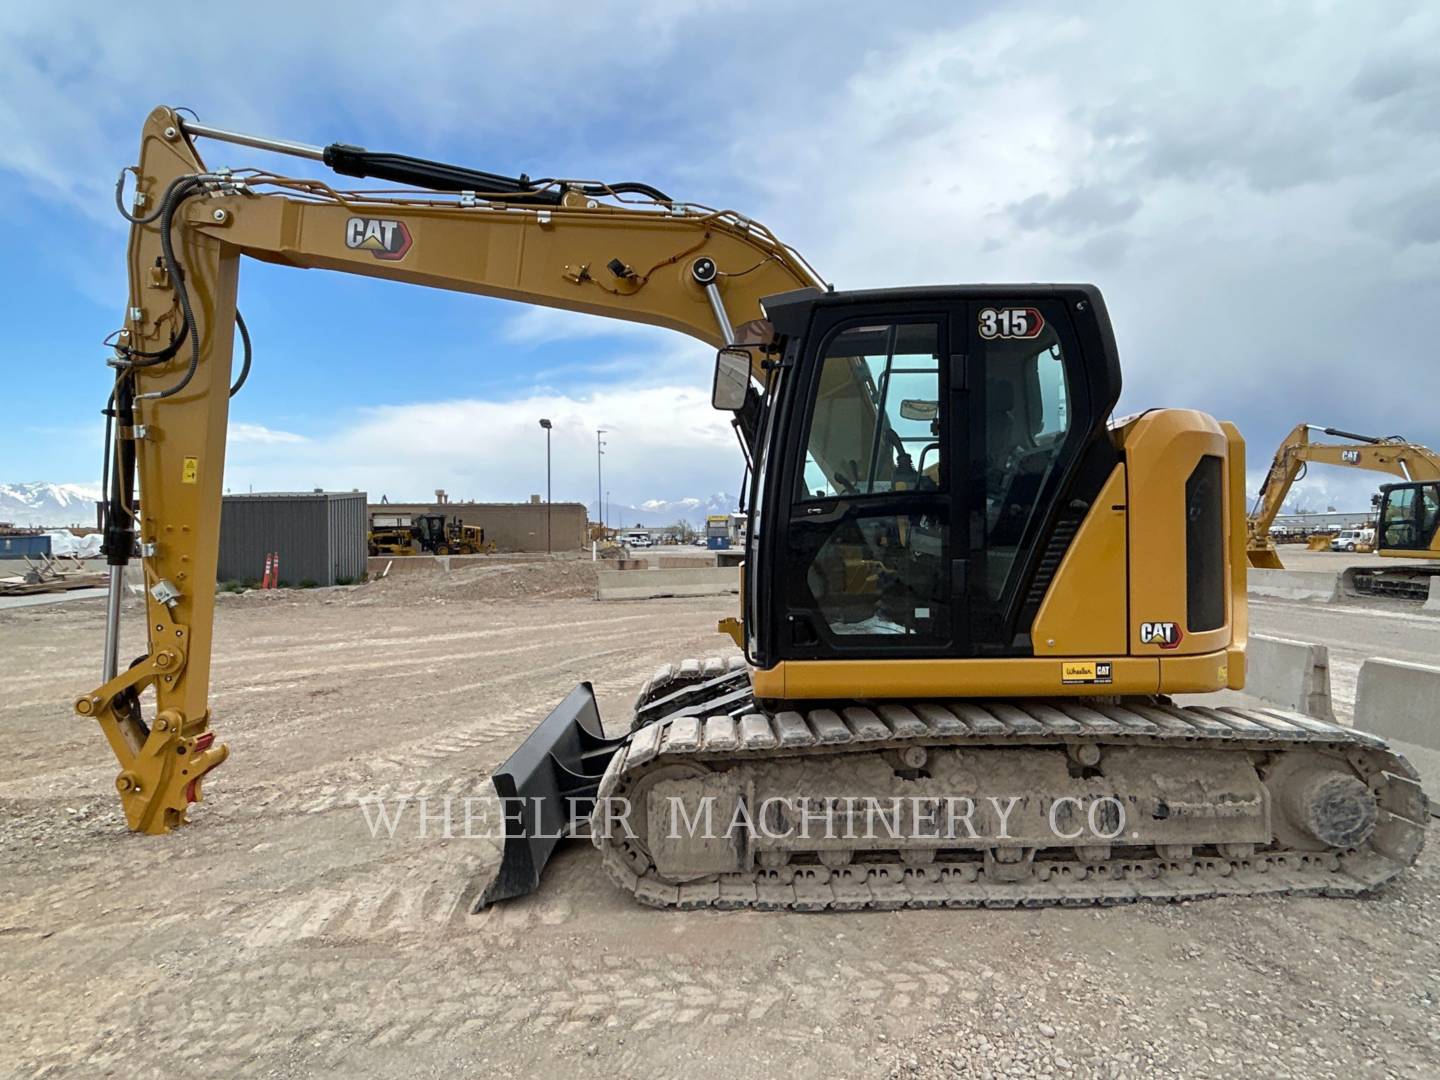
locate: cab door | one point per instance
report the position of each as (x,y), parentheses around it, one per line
(874,556)
(1409,517)
(935,445)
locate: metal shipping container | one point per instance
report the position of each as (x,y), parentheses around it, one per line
(21,546)
(320,536)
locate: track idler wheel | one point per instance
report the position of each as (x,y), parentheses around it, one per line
(1333,807)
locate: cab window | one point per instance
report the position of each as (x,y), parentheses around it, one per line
(1027,420)
(875,426)
(877,567)
(1397,530)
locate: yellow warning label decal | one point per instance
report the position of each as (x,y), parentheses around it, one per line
(191,472)
(1085,671)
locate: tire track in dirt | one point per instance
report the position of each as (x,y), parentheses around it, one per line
(474,749)
(233,725)
(355,998)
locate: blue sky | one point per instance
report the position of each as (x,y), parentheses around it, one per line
(1256,189)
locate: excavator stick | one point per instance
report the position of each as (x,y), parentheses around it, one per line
(546,788)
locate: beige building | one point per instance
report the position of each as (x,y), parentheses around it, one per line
(510,526)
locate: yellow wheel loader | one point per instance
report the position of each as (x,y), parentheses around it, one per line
(968,593)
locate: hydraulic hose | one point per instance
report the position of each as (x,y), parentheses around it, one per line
(179,189)
(176,195)
(109,413)
(245,344)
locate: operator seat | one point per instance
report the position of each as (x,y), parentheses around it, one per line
(1000,440)
(1011,484)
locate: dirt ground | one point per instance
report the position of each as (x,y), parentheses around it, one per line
(276,937)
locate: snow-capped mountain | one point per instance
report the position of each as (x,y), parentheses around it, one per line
(653,513)
(44,503)
(719,503)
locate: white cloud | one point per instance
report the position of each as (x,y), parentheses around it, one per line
(663,440)
(238,433)
(541,325)
(1347,490)
(76,84)
(1246,190)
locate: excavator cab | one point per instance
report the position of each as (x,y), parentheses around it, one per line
(924,451)
(1409,521)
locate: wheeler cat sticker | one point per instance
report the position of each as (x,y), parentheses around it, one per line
(1085,671)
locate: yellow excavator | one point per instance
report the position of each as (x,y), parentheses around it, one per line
(968,594)
(1408,511)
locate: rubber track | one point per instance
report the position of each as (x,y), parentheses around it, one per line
(670,680)
(728,741)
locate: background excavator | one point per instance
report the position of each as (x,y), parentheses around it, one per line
(964,586)
(1408,512)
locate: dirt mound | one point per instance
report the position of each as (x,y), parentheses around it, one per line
(498,580)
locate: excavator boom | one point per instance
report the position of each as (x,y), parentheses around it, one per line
(621,251)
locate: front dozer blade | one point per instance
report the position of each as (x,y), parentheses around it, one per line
(547,787)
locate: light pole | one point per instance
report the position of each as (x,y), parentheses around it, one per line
(600,478)
(546,425)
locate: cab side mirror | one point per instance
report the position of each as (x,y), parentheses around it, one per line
(919,409)
(732,379)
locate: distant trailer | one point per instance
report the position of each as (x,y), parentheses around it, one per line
(320,536)
(717,532)
(24,546)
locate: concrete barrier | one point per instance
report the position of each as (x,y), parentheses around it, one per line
(1400,702)
(645,584)
(664,561)
(1292,674)
(1295,584)
(1433,603)
(655,561)
(444,564)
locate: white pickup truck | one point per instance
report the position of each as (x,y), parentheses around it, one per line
(1351,539)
